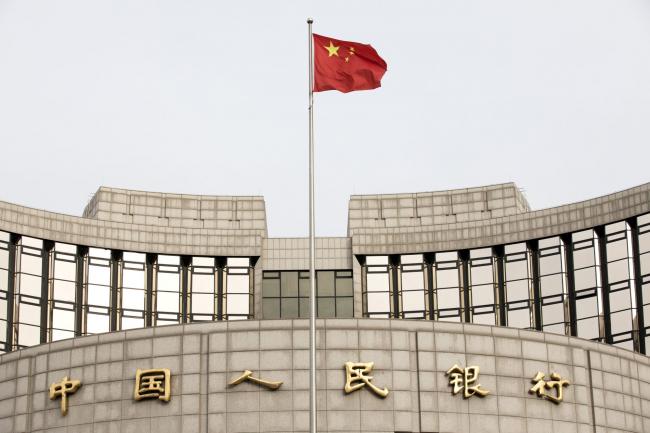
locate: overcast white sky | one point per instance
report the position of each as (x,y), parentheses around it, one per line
(209,97)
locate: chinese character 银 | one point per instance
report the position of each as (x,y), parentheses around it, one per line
(463,378)
(542,385)
(153,383)
(356,377)
(248,375)
(62,389)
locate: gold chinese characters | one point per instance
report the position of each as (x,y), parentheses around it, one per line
(248,376)
(356,377)
(62,389)
(462,378)
(542,385)
(154,383)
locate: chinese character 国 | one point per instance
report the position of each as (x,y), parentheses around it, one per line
(356,377)
(153,383)
(62,389)
(542,385)
(463,378)
(248,375)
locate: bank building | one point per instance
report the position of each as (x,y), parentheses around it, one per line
(460,311)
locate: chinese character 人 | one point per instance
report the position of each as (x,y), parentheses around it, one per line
(542,385)
(62,389)
(462,379)
(248,375)
(153,383)
(356,377)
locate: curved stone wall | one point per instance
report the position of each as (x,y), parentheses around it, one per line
(609,388)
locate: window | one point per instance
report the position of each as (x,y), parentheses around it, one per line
(203,289)
(377,287)
(29,269)
(552,286)
(621,287)
(413,292)
(285,294)
(483,286)
(133,291)
(63,274)
(518,286)
(446,290)
(586,268)
(238,290)
(167,291)
(97,303)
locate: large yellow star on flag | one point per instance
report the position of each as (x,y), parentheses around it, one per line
(332,50)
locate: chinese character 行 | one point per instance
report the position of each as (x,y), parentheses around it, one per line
(541,385)
(356,377)
(62,389)
(153,383)
(248,375)
(462,378)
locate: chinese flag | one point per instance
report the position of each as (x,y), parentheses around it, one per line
(345,66)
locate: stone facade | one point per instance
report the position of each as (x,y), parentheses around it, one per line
(609,390)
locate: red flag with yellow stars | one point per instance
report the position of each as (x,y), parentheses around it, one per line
(345,66)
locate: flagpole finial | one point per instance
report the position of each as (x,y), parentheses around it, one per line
(310,20)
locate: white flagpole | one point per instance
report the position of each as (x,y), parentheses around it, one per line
(312,248)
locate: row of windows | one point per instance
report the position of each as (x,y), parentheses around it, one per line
(594,284)
(52,291)
(285,294)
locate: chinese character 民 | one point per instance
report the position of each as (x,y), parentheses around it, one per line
(462,379)
(541,385)
(62,389)
(248,375)
(356,377)
(153,383)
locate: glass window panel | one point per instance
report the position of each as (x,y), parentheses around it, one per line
(552,285)
(377,282)
(289,308)
(237,284)
(412,301)
(97,323)
(168,302)
(238,305)
(448,298)
(344,286)
(618,271)
(325,283)
(411,258)
(376,260)
(242,262)
(28,335)
(518,290)
(621,321)
(289,283)
(378,302)
(270,287)
(483,295)
(202,303)
(519,318)
(413,280)
(326,307)
(271,308)
(588,328)
(344,308)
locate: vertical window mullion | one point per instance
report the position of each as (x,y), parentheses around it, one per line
(604,282)
(636,257)
(394,264)
(46,306)
(571,284)
(116,264)
(533,253)
(499,253)
(464,285)
(429,261)
(220,268)
(11,293)
(185,289)
(150,263)
(81,275)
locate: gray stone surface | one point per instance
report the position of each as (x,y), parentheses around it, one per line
(609,391)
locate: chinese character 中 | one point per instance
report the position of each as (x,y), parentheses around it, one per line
(542,385)
(356,377)
(62,389)
(248,375)
(462,379)
(153,383)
